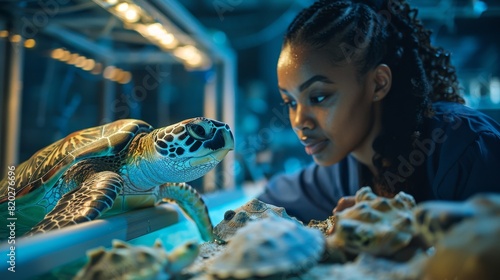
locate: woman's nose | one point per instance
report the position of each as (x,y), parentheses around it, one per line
(302,118)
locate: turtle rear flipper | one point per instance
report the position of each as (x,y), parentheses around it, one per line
(190,201)
(86,203)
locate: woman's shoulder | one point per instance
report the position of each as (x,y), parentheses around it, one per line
(462,119)
(457,126)
(454,127)
(462,145)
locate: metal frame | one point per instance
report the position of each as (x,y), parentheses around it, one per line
(223,89)
(42,253)
(221,92)
(11,116)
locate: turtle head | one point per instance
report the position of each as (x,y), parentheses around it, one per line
(191,148)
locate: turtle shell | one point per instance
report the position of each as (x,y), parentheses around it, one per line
(124,261)
(46,166)
(251,211)
(269,247)
(376,225)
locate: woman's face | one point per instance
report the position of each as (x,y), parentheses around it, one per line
(331,108)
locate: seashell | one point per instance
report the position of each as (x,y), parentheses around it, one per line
(124,261)
(268,247)
(436,218)
(369,267)
(375,225)
(251,211)
(469,251)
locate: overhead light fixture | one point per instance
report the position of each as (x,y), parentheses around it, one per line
(190,55)
(88,64)
(66,55)
(128,12)
(16,38)
(29,43)
(111,72)
(136,18)
(57,53)
(155,29)
(122,7)
(131,15)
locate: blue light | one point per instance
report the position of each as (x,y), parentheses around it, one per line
(479,7)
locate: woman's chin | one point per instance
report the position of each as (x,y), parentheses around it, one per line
(325,159)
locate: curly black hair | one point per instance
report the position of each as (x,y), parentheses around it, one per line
(372,32)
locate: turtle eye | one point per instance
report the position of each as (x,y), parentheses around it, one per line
(366,242)
(198,131)
(229,215)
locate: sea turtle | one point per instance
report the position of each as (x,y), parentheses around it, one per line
(114,168)
(124,261)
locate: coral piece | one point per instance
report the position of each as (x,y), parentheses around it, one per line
(327,226)
(251,211)
(376,225)
(436,218)
(269,247)
(469,251)
(368,267)
(124,261)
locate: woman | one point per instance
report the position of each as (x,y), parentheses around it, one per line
(374,103)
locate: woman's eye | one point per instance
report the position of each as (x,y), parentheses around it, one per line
(289,104)
(318,99)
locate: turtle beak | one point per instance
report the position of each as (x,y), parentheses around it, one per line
(222,140)
(229,139)
(214,157)
(219,155)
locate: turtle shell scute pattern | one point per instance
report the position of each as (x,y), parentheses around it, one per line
(272,246)
(375,225)
(49,163)
(251,211)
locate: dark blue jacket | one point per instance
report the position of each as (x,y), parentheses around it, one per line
(461,149)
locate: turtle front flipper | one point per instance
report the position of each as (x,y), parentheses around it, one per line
(190,201)
(86,203)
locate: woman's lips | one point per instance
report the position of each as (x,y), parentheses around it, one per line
(315,147)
